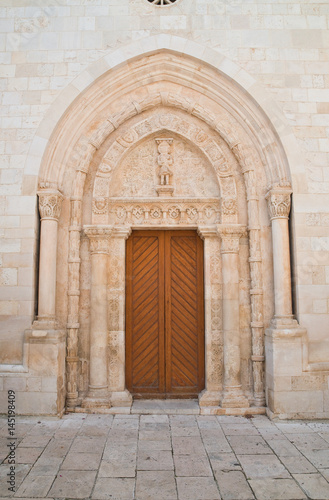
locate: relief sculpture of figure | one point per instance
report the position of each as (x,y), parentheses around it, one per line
(165,161)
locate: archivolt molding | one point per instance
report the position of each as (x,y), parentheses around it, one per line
(240,144)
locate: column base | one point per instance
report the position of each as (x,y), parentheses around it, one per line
(234,398)
(209,398)
(286,348)
(259,400)
(121,398)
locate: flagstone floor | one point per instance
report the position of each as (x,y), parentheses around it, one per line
(166,457)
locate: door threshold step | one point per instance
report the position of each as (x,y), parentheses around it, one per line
(170,407)
(166,406)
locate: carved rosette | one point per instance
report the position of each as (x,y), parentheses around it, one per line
(99,237)
(50,203)
(278,204)
(230,237)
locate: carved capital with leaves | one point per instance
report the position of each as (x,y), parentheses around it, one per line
(278,203)
(99,237)
(230,235)
(50,203)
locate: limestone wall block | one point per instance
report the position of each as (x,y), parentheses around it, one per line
(36,403)
(49,384)
(33,384)
(296,403)
(309,382)
(15,383)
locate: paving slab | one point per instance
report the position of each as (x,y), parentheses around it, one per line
(239,430)
(224,462)
(276,489)
(297,465)
(202,488)
(258,466)
(35,486)
(114,488)
(156,485)
(73,484)
(249,445)
(315,486)
(283,447)
(155,460)
(192,465)
(81,461)
(233,486)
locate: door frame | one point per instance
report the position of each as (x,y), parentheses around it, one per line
(208,232)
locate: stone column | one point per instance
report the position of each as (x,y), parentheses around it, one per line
(50,201)
(233,396)
(120,396)
(285,340)
(213,324)
(279,208)
(98,395)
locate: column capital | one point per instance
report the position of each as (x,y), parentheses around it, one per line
(230,235)
(121,232)
(207,231)
(278,201)
(50,203)
(99,237)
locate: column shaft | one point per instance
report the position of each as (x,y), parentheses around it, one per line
(47,269)
(98,381)
(279,208)
(233,395)
(98,395)
(50,207)
(281,267)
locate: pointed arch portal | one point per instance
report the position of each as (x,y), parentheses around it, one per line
(227,165)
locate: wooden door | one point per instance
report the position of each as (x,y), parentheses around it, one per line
(164,314)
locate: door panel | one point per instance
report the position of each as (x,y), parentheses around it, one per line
(164,314)
(144,313)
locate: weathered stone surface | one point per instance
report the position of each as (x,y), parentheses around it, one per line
(233,485)
(35,486)
(161,485)
(276,489)
(314,485)
(81,461)
(155,460)
(73,484)
(248,445)
(118,488)
(256,466)
(203,488)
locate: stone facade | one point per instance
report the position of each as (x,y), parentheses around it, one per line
(207,114)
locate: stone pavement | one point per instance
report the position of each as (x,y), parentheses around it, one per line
(155,457)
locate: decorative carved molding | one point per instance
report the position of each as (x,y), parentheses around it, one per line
(50,203)
(164,212)
(229,207)
(278,203)
(99,237)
